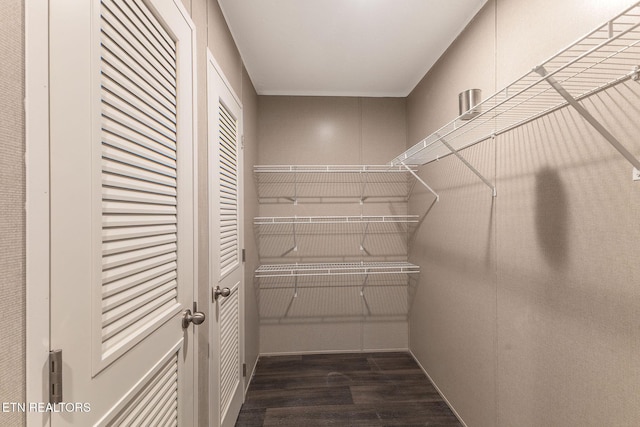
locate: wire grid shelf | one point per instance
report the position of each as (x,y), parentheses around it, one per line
(296,182)
(357,219)
(335,269)
(328,169)
(607,56)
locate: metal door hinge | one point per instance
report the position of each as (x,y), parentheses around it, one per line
(244,369)
(55,376)
(244,255)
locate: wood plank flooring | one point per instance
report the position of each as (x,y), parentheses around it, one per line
(347,389)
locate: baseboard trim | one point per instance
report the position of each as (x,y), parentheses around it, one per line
(253,373)
(301,353)
(438,389)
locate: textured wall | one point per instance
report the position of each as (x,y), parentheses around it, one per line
(12,216)
(330,314)
(452,325)
(526,316)
(250,115)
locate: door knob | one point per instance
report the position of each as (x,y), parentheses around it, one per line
(196,318)
(224,292)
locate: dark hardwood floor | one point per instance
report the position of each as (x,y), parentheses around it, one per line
(347,389)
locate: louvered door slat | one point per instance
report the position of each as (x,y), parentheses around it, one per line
(119,46)
(143,406)
(124,210)
(154,27)
(137,220)
(119,21)
(129,325)
(137,25)
(144,22)
(112,234)
(145,277)
(139,173)
(228,189)
(126,37)
(129,158)
(111,113)
(121,169)
(117,273)
(123,76)
(229,344)
(149,300)
(130,257)
(116,132)
(167,188)
(141,79)
(136,114)
(167,403)
(135,291)
(135,99)
(151,408)
(114,247)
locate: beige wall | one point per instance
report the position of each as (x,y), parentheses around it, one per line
(330,315)
(250,112)
(525,310)
(12,216)
(212,33)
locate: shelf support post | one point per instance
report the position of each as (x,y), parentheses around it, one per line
(364,236)
(588,117)
(421,181)
(364,186)
(295,187)
(366,278)
(468,165)
(295,237)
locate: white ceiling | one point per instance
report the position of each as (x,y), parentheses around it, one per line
(343,47)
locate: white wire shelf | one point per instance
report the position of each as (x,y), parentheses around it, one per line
(329,169)
(323,183)
(356,219)
(335,269)
(607,56)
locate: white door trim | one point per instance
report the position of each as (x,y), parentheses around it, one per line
(37,206)
(214,277)
(194,176)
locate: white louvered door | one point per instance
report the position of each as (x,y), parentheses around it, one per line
(226,273)
(122,210)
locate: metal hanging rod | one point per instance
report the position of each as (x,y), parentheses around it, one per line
(607,56)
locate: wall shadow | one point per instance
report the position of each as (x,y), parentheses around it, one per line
(552,218)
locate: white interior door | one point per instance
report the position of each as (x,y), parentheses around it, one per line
(226,273)
(122,210)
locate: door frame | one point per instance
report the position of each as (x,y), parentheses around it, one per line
(36,19)
(212,276)
(37,215)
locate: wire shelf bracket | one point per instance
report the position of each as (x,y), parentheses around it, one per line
(589,117)
(421,181)
(471,168)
